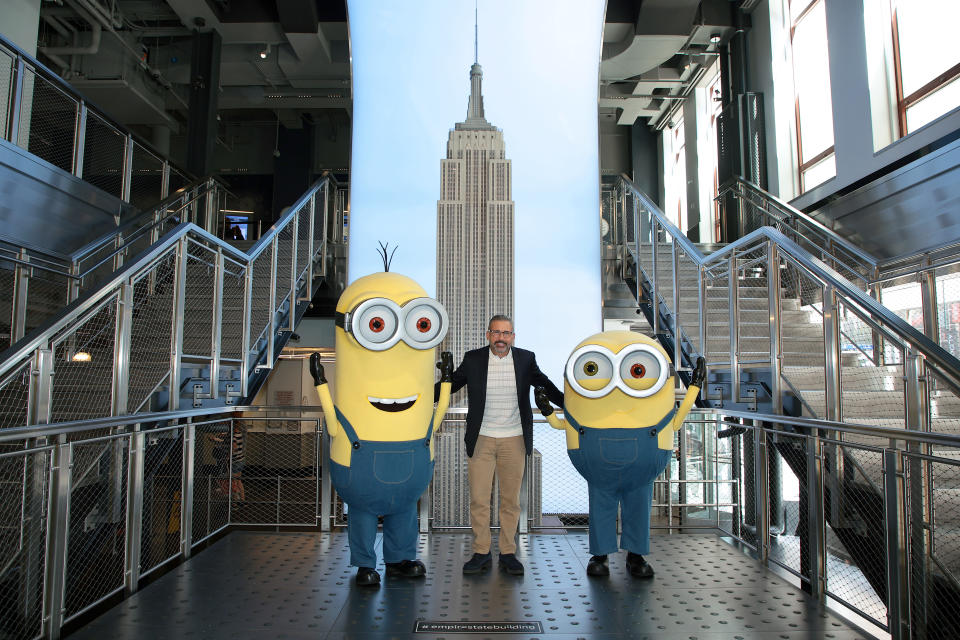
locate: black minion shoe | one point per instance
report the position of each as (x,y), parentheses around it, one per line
(406,569)
(367,577)
(638,567)
(598,566)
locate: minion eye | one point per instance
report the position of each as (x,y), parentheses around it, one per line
(377,324)
(424,323)
(592,365)
(641,370)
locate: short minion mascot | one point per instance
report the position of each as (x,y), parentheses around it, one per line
(620,423)
(381,448)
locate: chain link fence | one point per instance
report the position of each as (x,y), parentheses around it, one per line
(150,336)
(24,503)
(104,148)
(146,178)
(48,120)
(211,479)
(161,521)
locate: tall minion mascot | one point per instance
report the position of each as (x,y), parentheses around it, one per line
(381,448)
(621,417)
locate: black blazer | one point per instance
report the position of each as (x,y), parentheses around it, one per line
(472,372)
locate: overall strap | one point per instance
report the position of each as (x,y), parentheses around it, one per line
(429,432)
(348,428)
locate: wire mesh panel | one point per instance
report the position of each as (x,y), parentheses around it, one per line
(943,408)
(82,386)
(753,306)
(936,573)
(717,315)
(803,363)
(871,394)
(275,474)
(177,181)
(451,489)
(948,308)
(103,153)
(284,262)
(696,491)
(47,294)
(303,239)
(8,62)
(48,121)
(153,293)
(730,478)
(234,310)
(24,501)
(199,300)
(262,307)
(146,178)
(786,548)
(15,395)
(7,279)
(562,490)
(855,543)
(98,522)
(162,486)
(688,314)
(211,479)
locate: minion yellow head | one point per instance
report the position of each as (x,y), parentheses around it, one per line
(618,379)
(386,332)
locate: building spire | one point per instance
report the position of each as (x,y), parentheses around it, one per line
(475,119)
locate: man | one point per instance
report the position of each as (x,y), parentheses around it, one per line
(499,436)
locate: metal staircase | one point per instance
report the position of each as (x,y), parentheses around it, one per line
(189,319)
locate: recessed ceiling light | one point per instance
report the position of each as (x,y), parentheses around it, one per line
(81,356)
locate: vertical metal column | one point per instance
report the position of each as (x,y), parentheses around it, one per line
(134,510)
(928,295)
(16,98)
(312,208)
(58,530)
(675,262)
(127,177)
(654,289)
(702,314)
(920,489)
(21,291)
(816,551)
(121,350)
(833,462)
(176,333)
(733,300)
(247,319)
(79,140)
(186,489)
(776,356)
(292,297)
(761,485)
(216,337)
(894,503)
(271,305)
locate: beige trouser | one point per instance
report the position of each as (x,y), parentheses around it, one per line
(506,456)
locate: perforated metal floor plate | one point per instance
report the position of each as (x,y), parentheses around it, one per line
(300,585)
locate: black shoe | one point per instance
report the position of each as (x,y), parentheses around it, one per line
(406,569)
(367,577)
(510,564)
(598,566)
(638,567)
(479,563)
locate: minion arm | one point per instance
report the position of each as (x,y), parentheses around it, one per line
(696,382)
(323,390)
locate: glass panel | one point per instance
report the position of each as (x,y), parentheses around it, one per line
(820,172)
(944,99)
(811,72)
(927,32)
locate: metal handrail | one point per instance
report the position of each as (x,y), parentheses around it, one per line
(817,268)
(14,357)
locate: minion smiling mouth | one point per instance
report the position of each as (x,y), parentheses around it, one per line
(393,404)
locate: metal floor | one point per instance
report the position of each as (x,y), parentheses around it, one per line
(299,585)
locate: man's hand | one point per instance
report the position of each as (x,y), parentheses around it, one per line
(699,373)
(316,370)
(543,403)
(446,366)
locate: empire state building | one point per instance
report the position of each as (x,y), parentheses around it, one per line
(474,227)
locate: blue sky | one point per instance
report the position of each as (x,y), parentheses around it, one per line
(411,81)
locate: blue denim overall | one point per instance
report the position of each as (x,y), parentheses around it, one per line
(383,479)
(620,466)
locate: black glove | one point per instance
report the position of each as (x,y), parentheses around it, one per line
(699,373)
(543,402)
(316,370)
(446,366)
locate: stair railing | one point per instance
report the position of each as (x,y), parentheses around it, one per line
(929,275)
(769,263)
(42,283)
(190,303)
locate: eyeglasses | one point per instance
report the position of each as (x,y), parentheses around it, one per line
(497,333)
(638,370)
(379,323)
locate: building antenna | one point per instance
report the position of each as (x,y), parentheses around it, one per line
(475,33)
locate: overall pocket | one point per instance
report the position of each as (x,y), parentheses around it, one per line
(393,467)
(618,452)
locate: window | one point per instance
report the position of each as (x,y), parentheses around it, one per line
(926,60)
(675,176)
(811,85)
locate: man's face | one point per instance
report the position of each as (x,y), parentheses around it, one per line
(500,336)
